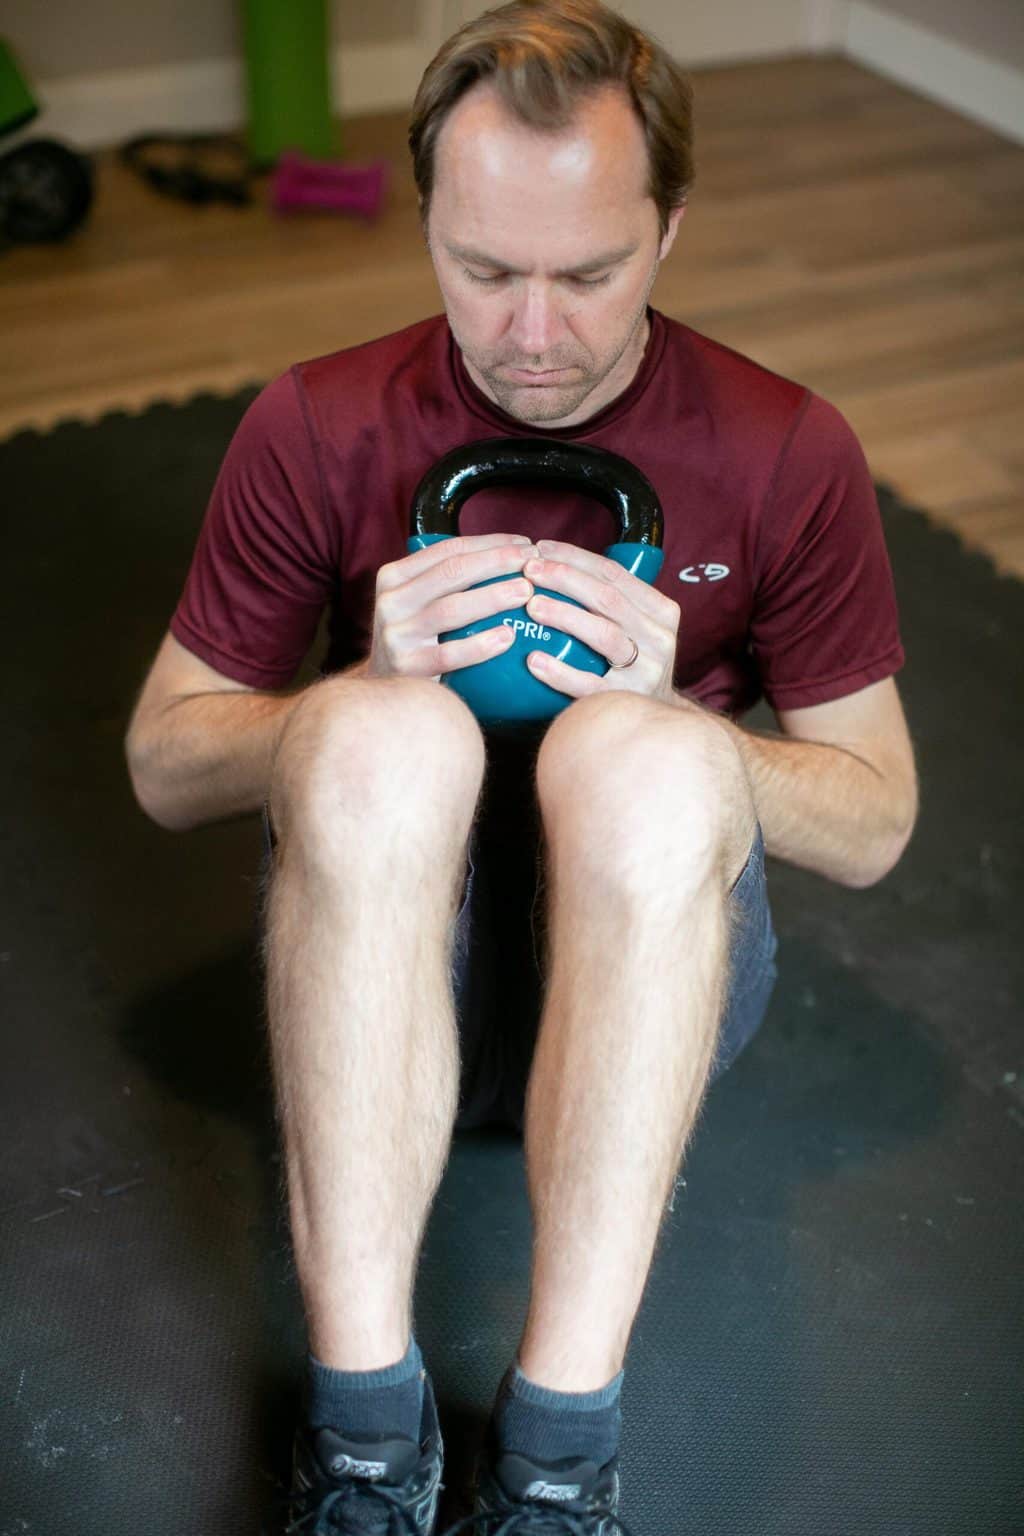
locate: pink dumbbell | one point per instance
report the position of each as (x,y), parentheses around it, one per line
(299,182)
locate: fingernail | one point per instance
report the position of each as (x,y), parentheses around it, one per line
(521,538)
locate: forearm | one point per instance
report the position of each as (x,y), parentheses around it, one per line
(209,756)
(822,807)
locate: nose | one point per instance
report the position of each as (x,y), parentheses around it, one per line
(536,323)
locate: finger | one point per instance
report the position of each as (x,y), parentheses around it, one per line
(454,609)
(451,572)
(602,635)
(613,599)
(398,572)
(564,679)
(433,658)
(560,561)
(450,655)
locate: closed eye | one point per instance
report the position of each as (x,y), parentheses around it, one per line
(582,282)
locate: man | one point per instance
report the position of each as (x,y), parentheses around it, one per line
(551,146)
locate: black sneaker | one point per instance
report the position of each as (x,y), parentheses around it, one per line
(387,1485)
(571,1497)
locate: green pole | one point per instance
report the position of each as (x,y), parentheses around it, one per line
(17,104)
(288,80)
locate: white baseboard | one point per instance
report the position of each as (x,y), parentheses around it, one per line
(981,88)
(92,111)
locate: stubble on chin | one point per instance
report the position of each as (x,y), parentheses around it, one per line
(537,404)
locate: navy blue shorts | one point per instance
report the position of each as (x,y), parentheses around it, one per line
(499,948)
(497,976)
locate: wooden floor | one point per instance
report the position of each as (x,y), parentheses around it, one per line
(843,231)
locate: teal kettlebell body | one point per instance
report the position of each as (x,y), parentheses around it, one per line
(502,692)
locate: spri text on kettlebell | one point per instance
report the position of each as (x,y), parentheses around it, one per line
(531,630)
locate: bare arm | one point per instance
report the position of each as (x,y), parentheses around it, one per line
(836,793)
(200,746)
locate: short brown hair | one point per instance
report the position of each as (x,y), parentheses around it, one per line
(545,57)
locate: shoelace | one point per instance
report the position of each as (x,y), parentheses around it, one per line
(330,1509)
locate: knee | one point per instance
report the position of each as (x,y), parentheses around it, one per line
(357,751)
(644,789)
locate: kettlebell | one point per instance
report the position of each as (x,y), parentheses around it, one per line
(502,691)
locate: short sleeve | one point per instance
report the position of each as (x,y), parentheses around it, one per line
(825,620)
(263,566)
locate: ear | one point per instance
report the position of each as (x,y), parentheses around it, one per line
(674,221)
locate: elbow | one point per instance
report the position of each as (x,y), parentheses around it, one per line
(886,853)
(874,873)
(150,795)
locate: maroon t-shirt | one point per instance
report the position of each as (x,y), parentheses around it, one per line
(774,548)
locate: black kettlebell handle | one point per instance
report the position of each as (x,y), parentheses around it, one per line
(614,481)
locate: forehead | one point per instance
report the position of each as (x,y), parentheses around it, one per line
(485,156)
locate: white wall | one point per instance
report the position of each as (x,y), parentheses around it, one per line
(968,57)
(107,69)
(91,37)
(702,31)
(993,28)
(111,69)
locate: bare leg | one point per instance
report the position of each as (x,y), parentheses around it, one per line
(648,821)
(375,787)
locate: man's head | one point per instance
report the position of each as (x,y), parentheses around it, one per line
(552,149)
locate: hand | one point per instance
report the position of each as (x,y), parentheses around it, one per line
(425,594)
(618,608)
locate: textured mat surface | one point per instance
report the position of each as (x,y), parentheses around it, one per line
(830,1338)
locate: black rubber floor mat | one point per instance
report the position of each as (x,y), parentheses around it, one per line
(830,1338)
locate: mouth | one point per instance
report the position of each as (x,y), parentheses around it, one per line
(546,376)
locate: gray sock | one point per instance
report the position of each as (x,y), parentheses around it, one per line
(387,1401)
(546,1425)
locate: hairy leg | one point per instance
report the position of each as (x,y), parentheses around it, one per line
(648,820)
(374,792)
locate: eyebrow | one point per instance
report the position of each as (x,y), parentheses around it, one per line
(609,259)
